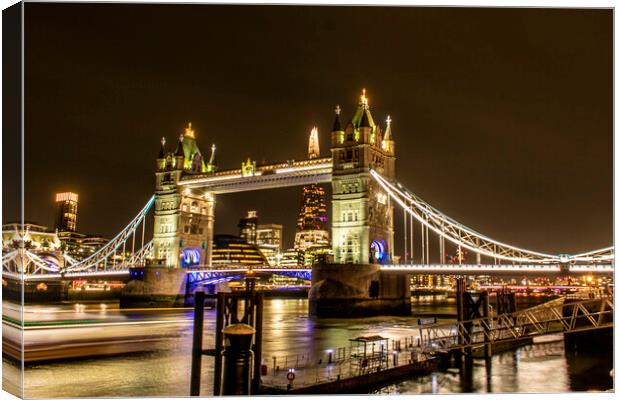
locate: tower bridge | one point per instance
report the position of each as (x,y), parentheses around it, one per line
(362,172)
(186,190)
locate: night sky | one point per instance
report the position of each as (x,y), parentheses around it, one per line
(502,117)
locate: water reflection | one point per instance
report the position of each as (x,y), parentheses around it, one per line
(537,368)
(289,333)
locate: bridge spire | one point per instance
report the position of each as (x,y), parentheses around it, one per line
(211,166)
(363,119)
(162,149)
(161,157)
(388,129)
(189,132)
(337,126)
(366,118)
(365,123)
(388,142)
(364,99)
(212,158)
(179,155)
(179,151)
(337,131)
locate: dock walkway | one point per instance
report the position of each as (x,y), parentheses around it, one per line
(348,375)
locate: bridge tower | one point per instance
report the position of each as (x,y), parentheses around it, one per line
(184,218)
(362,215)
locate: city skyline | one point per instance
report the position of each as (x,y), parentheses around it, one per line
(506,133)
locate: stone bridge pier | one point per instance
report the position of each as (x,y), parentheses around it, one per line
(357,290)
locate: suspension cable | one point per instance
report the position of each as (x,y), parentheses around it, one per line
(467,238)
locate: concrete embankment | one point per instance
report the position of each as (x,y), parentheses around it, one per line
(94,295)
(34,292)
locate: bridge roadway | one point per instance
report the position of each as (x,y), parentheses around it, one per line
(410,269)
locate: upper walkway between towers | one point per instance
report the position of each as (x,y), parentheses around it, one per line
(269,176)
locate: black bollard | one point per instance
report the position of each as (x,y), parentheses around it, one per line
(237,359)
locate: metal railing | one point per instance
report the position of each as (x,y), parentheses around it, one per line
(340,363)
(555,316)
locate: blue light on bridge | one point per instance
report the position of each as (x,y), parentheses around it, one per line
(50,259)
(209,277)
(296,273)
(377,250)
(190,257)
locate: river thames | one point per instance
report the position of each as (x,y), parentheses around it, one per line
(163,370)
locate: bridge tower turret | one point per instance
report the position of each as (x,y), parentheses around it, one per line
(363,217)
(161,157)
(184,217)
(167,205)
(179,155)
(337,131)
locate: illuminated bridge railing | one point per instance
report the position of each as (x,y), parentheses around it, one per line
(481,269)
(448,269)
(109,274)
(204,275)
(218,275)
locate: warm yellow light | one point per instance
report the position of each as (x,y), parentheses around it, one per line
(67,196)
(189,132)
(363,98)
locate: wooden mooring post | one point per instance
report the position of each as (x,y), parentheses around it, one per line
(245,307)
(199,307)
(488,347)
